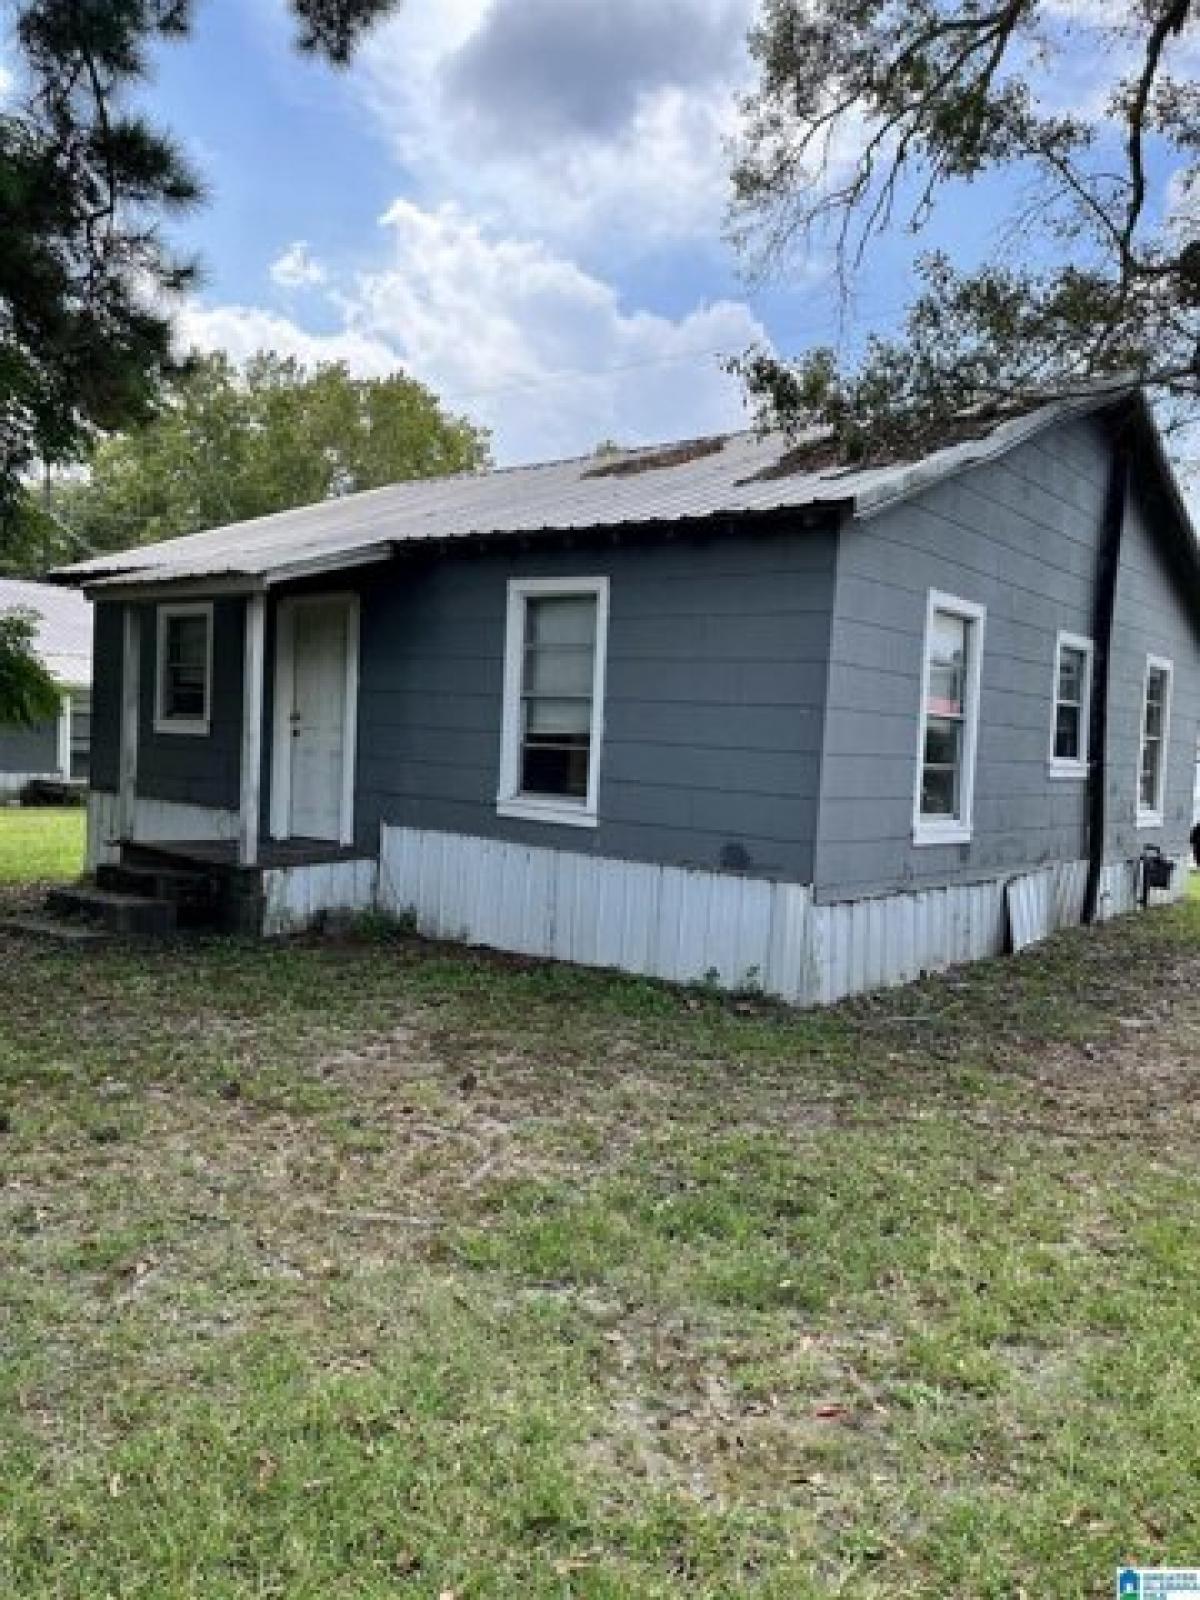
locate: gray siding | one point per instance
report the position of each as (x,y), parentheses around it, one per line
(193,769)
(1150,620)
(106,695)
(715,687)
(30,750)
(1018,536)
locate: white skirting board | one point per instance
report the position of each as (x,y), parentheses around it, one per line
(153,820)
(293,897)
(686,925)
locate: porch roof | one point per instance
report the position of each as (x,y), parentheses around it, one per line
(724,477)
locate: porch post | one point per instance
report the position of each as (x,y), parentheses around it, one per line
(252,718)
(131,675)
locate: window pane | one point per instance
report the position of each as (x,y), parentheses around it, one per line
(1156,699)
(185,666)
(1068,745)
(187,641)
(943,742)
(1071,671)
(558,767)
(947,663)
(557,678)
(1149,790)
(560,619)
(557,717)
(939,792)
(559,669)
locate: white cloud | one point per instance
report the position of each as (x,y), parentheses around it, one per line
(517,335)
(243,331)
(296,268)
(641,165)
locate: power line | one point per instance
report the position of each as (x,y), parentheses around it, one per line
(548,379)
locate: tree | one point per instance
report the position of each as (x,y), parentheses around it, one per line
(867,113)
(229,443)
(86,276)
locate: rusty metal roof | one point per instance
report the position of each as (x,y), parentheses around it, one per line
(726,477)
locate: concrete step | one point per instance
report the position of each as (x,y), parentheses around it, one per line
(157,882)
(55,930)
(133,915)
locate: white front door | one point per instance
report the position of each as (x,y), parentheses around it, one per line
(317,669)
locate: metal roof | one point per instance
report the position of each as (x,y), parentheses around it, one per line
(727,477)
(64,628)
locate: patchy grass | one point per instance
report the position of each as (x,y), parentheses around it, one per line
(41,844)
(375,1269)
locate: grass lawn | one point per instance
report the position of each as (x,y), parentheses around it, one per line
(39,844)
(371,1269)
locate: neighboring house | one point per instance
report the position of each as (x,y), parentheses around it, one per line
(57,748)
(707,710)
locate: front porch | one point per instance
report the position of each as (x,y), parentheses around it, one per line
(231,796)
(155,884)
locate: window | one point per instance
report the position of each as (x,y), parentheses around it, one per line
(553,699)
(183,688)
(1072,707)
(1156,727)
(949,721)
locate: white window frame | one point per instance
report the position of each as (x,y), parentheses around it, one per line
(510,802)
(1060,766)
(960,829)
(1152,816)
(185,725)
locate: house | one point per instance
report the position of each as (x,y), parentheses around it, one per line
(720,709)
(57,748)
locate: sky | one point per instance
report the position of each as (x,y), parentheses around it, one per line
(523,203)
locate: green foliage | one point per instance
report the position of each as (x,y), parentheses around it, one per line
(28,694)
(228,444)
(865,115)
(85,187)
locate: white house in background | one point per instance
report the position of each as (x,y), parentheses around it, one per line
(60,747)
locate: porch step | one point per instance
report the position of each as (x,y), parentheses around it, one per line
(134,915)
(55,930)
(189,890)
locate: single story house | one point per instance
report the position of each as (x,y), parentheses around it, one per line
(57,748)
(722,710)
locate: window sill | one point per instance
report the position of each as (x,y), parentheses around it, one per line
(930,833)
(1150,819)
(1067,769)
(564,815)
(195,728)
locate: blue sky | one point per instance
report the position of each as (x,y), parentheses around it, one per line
(522,202)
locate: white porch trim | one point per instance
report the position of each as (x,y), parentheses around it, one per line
(253,665)
(131,677)
(152,820)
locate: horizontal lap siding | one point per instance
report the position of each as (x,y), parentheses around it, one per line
(713,705)
(1018,536)
(191,769)
(1150,620)
(200,770)
(30,751)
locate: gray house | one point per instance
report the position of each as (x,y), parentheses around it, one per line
(57,748)
(716,709)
